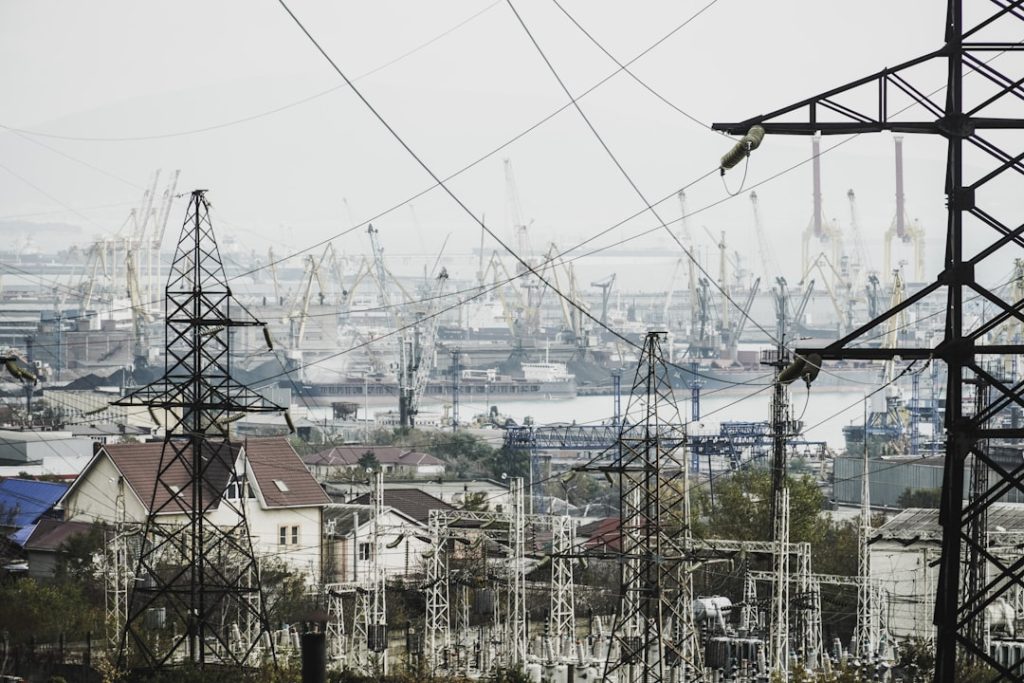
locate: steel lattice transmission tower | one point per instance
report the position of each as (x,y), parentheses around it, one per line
(654,630)
(197,596)
(981,125)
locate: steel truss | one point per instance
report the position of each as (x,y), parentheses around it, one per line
(509,527)
(993,111)
(654,629)
(197,596)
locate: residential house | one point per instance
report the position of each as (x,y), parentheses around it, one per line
(350,547)
(45,543)
(282,502)
(340,461)
(412,503)
(603,534)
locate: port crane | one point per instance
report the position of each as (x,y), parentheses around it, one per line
(861,262)
(520,228)
(819,229)
(605,286)
(423,360)
(902,228)
(691,281)
(732,343)
(768,260)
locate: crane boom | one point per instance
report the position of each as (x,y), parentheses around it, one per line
(741,323)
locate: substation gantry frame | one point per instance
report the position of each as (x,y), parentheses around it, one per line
(981,122)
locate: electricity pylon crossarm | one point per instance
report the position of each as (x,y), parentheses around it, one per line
(980,122)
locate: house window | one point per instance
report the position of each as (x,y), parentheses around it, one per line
(239,488)
(288,535)
(364,552)
(281,486)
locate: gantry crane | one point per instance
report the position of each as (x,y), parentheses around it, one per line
(691,281)
(819,229)
(908,232)
(520,228)
(605,286)
(765,247)
(423,360)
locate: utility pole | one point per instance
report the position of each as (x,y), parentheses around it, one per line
(376,614)
(456,369)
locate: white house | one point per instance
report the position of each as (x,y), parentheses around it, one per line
(349,546)
(264,477)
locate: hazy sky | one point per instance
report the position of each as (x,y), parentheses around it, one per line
(123,69)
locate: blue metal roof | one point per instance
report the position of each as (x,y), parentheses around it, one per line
(20,536)
(27,500)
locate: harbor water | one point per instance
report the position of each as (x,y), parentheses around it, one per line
(824,413)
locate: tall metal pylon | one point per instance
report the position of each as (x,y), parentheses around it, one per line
(983,121)
(197,593)
(654,629)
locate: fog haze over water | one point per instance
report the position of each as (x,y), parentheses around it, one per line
(191,85)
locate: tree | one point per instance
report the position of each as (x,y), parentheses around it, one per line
(76,560)
(475,502)
(45,610)
(742,509)
(919,498)
(368,461)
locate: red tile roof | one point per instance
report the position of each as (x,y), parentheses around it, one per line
(139,463)
(270,460)
(274,460)
(603,534)
(412,503)
(347,456)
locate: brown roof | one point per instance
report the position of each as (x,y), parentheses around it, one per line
(603,533)
(274,460)
(386,455)
(270,460)
(50,534)
(410,502)
(140,462)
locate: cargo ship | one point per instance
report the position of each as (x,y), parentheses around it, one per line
(535,381)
